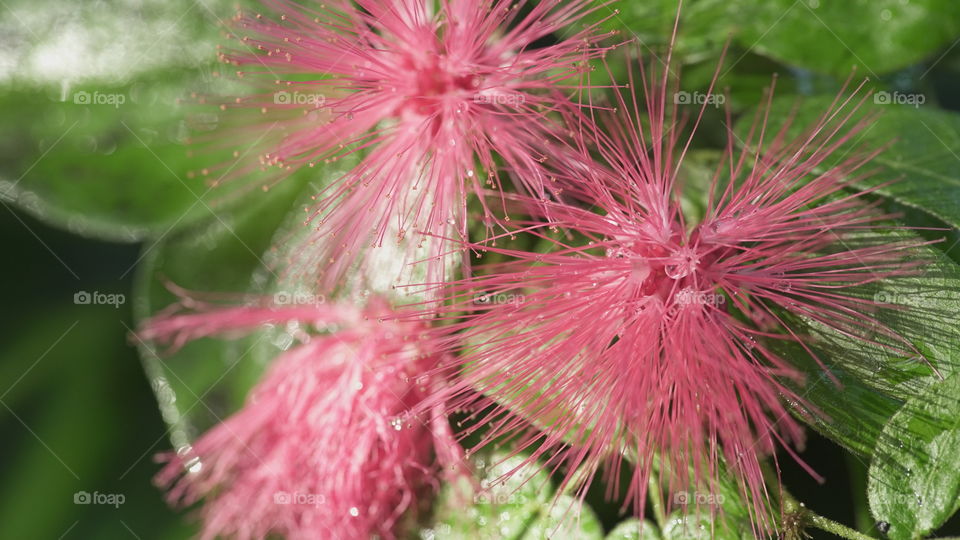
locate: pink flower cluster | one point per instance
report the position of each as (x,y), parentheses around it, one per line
(652,338)
(431,95)
(638,331)
(326,447)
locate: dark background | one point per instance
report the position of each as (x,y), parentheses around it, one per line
(76,411)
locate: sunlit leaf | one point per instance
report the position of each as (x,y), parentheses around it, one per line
(914,483)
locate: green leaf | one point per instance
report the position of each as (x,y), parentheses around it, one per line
(256,249)
(914,483)
(920,156)
(206,380)
(498,509)
(877,36)
(702,527)
(923,154)
(704,25)
(695,175)
(59,44)
(693,505)
(631,530)
(93,137)
(920,308)
(521,506)
(851,414)
(564,518)
(874,381)
(392,270)
(829,37)
(118,173)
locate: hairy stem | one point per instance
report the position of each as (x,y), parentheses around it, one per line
(795,512)
(656,500)
(831,526)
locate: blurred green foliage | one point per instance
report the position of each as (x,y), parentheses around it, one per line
(76,412)
(93,142)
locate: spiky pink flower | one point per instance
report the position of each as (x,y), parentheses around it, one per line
(651,336)
(324,447)
(432,93)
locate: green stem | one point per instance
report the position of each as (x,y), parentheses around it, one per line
(656,499)
(858,479)
(804,515)
(833,527)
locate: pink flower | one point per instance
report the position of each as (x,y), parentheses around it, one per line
(652,336)
(429,92)
(324,447)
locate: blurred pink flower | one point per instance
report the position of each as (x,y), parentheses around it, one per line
(432,94)
(650,337)
(324,447)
